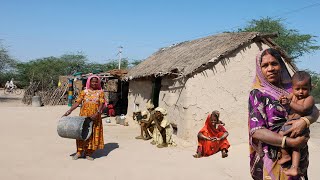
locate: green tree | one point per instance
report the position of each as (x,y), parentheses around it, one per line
(6,62)
(114,64)
(74,62)
(293,42)
(47,70)
(7,65)
(315,92)
(135,62)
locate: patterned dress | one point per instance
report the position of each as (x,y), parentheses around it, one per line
(265,112)
(91,100)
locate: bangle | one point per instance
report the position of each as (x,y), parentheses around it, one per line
(283,143)
(306,120)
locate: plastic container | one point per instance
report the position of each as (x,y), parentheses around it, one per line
(108,120)
(117,119)
(36,101)
(76,127)
(122,119)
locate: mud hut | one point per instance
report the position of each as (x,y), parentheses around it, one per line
(192,78)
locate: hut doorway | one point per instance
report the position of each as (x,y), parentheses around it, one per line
(122,104)
(156,87)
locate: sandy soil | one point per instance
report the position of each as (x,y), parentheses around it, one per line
(32,149)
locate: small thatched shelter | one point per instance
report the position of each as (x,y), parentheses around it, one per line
(115,90)
(192,78)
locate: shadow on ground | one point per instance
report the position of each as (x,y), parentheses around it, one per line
(8,99)
(105,151)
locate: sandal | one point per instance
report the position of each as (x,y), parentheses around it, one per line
(153,142)
(139,137)
(89,158)
(147,138)
(76,156)
(196,156)
(224,153)
(162,145)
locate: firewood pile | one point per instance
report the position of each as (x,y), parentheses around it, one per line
(119,73)
(55,96)
(50,96)
(29,92)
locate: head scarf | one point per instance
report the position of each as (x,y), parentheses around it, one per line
(208,125)
(144,113)
(89,80)
(216,114)
(99,87)
(161,110)
(261,83)
(149,105)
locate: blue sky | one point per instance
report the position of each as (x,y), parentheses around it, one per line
(40,28)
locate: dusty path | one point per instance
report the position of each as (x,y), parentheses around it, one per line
(31,149)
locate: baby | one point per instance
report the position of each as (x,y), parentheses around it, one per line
(300,103)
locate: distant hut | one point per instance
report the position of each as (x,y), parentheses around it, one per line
(116,90)
(192,78)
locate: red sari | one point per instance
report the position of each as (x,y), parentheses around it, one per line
(207,148)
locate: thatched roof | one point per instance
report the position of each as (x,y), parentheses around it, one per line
(187,57)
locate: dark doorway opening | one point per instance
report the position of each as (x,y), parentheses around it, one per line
(175,128)
(122,103)
(156,87)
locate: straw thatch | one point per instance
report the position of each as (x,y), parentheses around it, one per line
(187,57)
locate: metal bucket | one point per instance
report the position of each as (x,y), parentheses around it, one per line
(76,127)
(36,101)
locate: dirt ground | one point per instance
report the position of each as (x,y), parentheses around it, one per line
(31,149)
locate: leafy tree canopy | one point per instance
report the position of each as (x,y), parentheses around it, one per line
(293,42)
(7,65)
(47,70)
(135,62)
(6,61)
(315,92)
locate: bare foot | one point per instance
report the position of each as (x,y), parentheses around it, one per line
(196,156)
(284,159)
(90,158)
(76,156)
(147,138)
(293,171)
(224,153)
(139,137)
(162,145)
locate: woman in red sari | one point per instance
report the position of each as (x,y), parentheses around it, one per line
(212,138)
